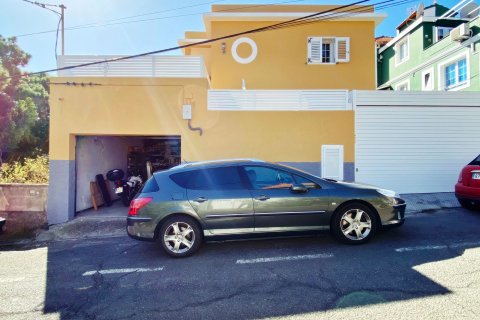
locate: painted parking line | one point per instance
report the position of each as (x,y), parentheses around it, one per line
(126,270)
(8,280)
(287,258)
(440,247)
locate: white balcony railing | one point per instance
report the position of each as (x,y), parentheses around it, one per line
(147,66)
(278,100)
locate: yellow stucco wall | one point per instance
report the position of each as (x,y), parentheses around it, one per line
(153,106)
(281,62)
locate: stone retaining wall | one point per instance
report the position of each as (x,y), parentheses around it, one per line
(25,208)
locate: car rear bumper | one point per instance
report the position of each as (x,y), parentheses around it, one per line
(467,193)
(140,228)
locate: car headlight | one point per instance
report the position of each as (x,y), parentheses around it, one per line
(387,193)
(392,196)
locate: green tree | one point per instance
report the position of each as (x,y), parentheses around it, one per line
(35,88)
(24,113)
(23,118)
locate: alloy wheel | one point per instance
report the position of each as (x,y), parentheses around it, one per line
(355,224)
(179,237)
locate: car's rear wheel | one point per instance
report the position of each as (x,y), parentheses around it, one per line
(180,236)
(354,223)
(467,204)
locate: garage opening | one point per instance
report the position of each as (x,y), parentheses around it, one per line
(135,155)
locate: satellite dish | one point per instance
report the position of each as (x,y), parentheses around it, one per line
(420,9)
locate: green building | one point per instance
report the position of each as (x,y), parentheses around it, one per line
(436,48)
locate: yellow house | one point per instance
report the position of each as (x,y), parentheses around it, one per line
(279,95)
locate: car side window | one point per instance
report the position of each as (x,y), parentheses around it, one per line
(151,185)
(306,183)
(183,178)
(226,178)
(268,178)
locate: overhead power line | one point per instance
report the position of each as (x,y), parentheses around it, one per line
(61,20)
(44,5)
(112,22)
(319,16)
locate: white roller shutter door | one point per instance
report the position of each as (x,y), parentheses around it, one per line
(414,149)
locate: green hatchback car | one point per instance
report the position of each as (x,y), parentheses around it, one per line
(184,205)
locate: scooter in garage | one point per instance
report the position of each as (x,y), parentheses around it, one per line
(125,189)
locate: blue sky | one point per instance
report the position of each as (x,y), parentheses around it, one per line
(18,17)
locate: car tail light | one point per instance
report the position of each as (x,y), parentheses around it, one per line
(137,204)
(460,176)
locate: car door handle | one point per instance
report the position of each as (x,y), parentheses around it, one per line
(200,199)
(262,198)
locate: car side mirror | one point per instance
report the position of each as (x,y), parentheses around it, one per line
(298,188)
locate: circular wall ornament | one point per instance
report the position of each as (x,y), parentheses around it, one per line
(248,59)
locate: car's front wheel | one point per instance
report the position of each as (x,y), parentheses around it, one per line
(354,223)
(180,236)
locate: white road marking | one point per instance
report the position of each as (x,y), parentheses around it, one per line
(440,247)
(287,258)
(126,270)
(8,280)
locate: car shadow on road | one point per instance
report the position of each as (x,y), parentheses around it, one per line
(253,279)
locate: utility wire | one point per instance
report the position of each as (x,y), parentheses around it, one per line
(163,11)
(193,44)
(43,5)
(347,12)
(107,24)
(285,24)
(56,37)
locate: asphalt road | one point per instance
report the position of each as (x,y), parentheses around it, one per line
(427,269)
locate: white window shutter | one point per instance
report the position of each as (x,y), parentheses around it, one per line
(342,49)
(314,50)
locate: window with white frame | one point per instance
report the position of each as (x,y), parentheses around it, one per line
(454,74)
(427,80)
(403,86)
(442,32)
(401,51)
(328,50)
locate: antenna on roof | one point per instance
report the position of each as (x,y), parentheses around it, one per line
(420,9)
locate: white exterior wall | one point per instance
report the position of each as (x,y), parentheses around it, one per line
(278,100)
(147,66)
(415,142)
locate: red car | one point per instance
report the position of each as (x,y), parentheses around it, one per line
(467,189)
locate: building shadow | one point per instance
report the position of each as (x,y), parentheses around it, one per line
(212,284)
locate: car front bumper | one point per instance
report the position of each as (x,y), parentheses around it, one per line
(394,215)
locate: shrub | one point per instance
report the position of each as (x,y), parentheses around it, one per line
(30,170)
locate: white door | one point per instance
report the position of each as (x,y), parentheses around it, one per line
(332,162)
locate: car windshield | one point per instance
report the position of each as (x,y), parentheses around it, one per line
(475,162)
